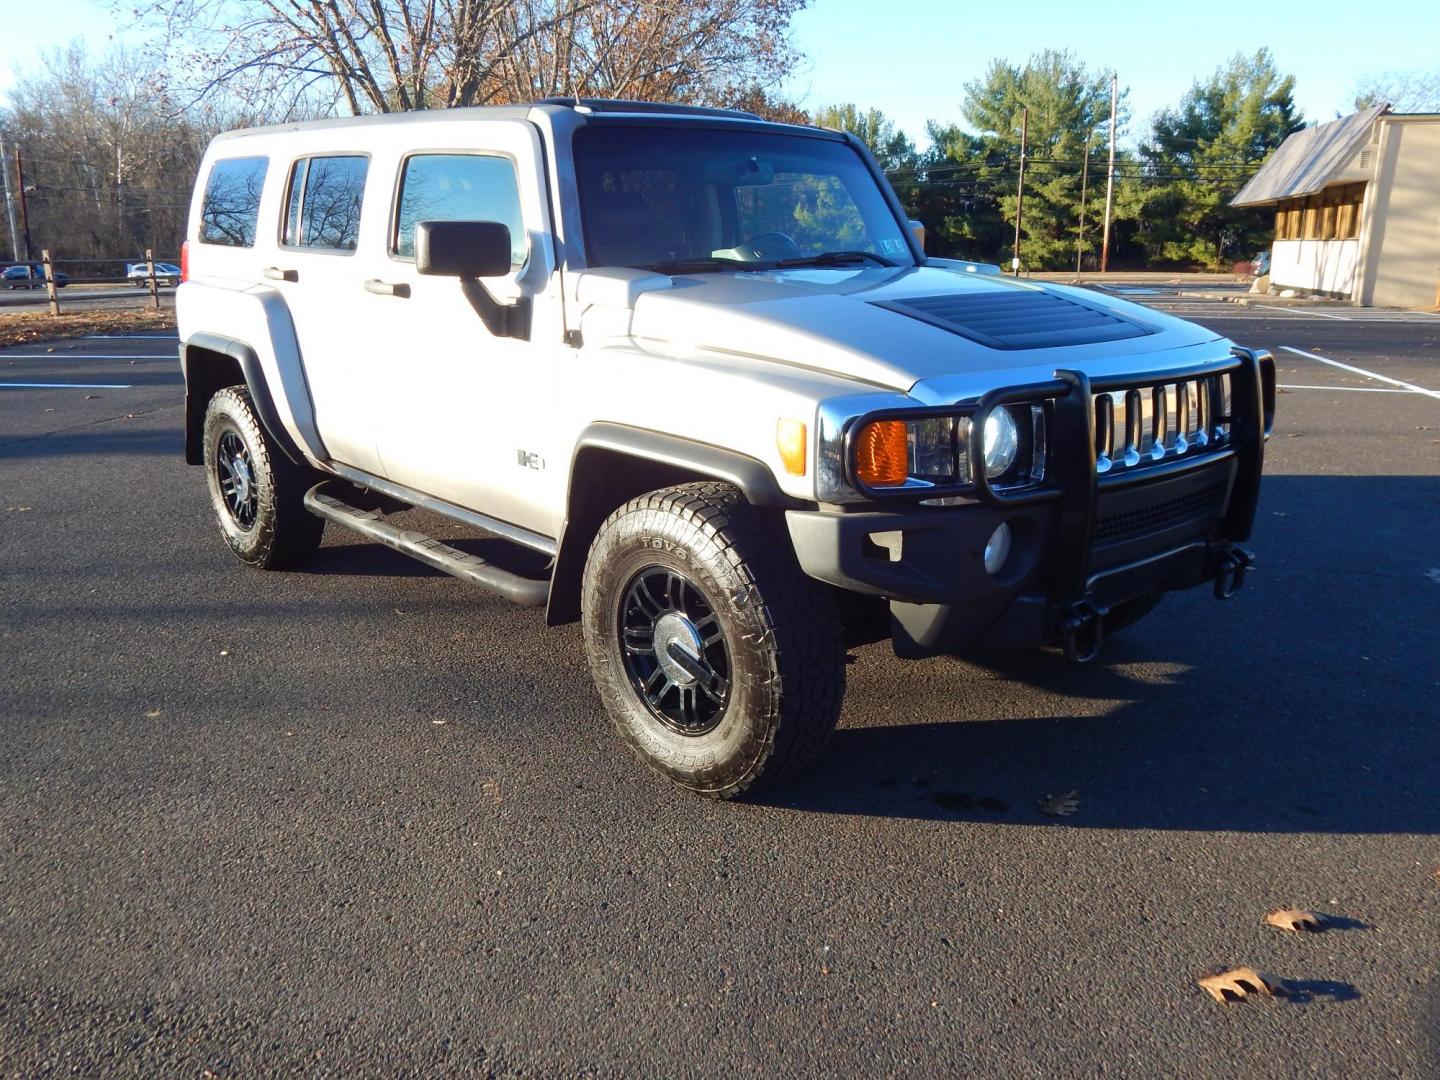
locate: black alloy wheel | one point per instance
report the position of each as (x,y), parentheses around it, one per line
(675,652)
(235,472)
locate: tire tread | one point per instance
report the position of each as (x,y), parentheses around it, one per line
(798,617)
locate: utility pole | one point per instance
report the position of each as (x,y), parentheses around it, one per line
(1020,188)
(24,205)
(1109,179)
(9,205)
(1084,180)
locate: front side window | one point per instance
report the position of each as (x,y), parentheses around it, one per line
(323,206)
(230,210)
(459,187)
(745,199)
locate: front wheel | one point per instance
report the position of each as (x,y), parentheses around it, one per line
(720,662)
(257,493)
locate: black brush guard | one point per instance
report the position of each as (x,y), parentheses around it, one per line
(1075,486)
(1083,567)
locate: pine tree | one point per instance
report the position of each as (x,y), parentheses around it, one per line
(1204,150)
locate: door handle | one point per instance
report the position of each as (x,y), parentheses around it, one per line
(274,273)
(388,288)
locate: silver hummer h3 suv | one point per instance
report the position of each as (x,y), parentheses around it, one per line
(700,366)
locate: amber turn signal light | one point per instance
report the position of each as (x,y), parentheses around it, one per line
(790,441)
(882,454)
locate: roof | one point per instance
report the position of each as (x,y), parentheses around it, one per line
(629,105)
(598,106)
(1308,159)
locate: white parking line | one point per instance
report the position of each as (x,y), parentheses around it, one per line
(1361,371)
(132,337)
(62,386)
(1315,314)
(1347,389)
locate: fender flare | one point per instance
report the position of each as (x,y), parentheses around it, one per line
(671,454)
(254,375)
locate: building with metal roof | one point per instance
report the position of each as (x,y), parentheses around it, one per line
(1357,209)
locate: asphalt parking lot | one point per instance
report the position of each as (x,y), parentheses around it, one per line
(360,819)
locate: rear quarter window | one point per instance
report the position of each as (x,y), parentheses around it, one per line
(230,211)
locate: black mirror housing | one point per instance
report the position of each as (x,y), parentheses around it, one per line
(463,249)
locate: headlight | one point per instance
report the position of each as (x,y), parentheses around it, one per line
(933,451)
(1002,443)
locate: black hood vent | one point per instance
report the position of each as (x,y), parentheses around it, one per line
(1019,318)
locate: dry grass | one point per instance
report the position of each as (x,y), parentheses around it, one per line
(30,327)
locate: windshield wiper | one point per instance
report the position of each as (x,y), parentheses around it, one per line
(700,266)
(835,258)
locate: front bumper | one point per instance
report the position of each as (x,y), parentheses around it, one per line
(1085,545)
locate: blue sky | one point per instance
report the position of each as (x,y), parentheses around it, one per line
(911,58)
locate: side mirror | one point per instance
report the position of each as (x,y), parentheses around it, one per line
(463,249)
(918,228)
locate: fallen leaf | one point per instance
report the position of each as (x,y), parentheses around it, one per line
(1240,981)
(224,652)
(491,789)
(1296,919)
(1062,805)
(19,509)
(151,714)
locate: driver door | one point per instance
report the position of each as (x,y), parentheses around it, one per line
(468,414)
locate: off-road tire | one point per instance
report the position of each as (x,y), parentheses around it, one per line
(782,637)
(1130,612)
(283,533)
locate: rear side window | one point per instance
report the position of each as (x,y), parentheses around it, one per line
(231,208)
(459,187)
(322,209)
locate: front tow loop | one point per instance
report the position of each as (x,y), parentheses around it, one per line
(1082,629)
(1230,571)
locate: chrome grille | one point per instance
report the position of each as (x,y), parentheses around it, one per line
(1144,426)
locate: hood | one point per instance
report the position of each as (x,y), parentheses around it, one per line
(895,327)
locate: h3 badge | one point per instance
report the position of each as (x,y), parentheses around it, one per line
(529,459)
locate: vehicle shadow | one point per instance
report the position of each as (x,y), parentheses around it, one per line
(140,441)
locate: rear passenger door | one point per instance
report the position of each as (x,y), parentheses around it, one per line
(468,413)
(320,269)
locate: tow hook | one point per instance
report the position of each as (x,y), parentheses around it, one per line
(1082,629)
(1230,574)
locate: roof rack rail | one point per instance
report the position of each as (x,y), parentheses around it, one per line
(623,105)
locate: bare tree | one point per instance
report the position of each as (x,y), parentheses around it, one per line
(1404,91)
(108,154)
(386,55)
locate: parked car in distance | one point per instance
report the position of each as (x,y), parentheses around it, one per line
(31,276)
(696,369)
(165,274)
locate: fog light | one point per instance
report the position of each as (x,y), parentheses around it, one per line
(997,549)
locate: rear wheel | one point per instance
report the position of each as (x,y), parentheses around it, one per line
(720,663)
(256,492)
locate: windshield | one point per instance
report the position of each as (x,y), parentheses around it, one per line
(704,198)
